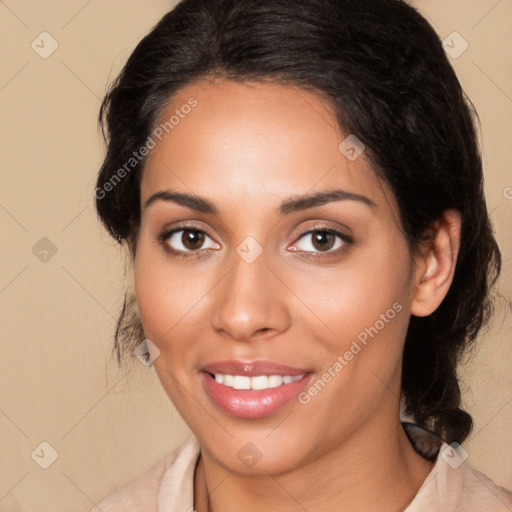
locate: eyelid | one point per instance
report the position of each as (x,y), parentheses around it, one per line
(187,224)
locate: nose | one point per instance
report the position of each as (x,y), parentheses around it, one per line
(250,302)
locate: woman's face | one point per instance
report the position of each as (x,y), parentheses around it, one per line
(266,248)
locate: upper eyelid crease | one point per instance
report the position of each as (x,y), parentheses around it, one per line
(287,207)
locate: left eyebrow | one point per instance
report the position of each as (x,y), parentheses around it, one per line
(305,202)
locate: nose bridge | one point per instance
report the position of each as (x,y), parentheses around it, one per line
(250,300)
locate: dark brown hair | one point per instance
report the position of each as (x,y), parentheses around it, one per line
(383,69)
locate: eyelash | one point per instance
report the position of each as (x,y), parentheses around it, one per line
(347,241)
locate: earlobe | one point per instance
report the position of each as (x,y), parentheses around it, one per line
(435,266)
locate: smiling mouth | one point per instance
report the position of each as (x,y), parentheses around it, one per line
(254,396)
(257,382)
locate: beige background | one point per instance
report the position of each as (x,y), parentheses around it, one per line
(58,383)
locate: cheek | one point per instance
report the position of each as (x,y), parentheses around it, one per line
(151,295)
(163,296)
(172,300)
(363,311)
(358,294)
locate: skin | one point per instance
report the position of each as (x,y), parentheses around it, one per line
(246,148)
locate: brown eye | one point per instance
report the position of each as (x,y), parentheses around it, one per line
(192,239)
(323,240)
(188,240)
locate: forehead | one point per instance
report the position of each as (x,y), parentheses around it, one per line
(253,140)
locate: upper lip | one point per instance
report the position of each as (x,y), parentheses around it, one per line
(252,368)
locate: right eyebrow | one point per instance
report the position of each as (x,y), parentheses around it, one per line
(193,202)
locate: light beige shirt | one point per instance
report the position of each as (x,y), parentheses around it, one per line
(451,486)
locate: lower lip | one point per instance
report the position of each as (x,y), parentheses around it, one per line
(252,404)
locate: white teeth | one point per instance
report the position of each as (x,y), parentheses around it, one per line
(274,381)
(258,382)
(241,382)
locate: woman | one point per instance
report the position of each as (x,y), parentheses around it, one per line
(299,188)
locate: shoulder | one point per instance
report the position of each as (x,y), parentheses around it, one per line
(461,489)
(453,484)
(175,470)
(482,494)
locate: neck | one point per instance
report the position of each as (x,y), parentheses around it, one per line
(375,468)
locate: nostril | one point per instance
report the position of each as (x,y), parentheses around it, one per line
(264,331)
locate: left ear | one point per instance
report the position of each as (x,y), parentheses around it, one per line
(435,264)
